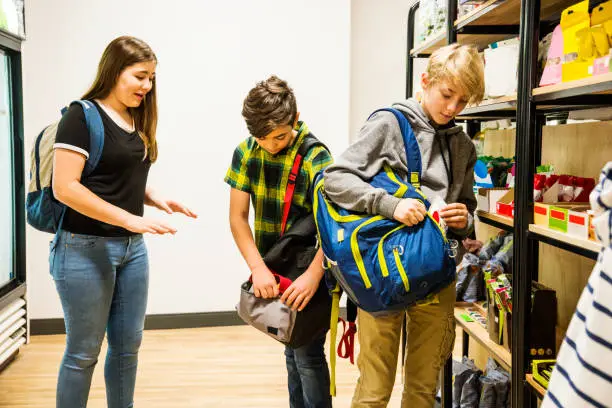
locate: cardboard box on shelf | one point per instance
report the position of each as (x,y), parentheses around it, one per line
(578,222)
(505,205)
(572,220)
(488,197)
(540,214)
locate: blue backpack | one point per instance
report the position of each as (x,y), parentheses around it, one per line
(43,211)
(381,263)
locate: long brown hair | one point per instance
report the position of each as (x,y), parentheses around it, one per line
(121,53)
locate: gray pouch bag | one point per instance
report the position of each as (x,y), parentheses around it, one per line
(270,316)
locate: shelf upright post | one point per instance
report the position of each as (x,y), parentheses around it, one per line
(524,257)
(451,33)
(447,370)
(410,46)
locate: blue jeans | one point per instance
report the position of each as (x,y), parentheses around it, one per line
(102,283)
(308,376)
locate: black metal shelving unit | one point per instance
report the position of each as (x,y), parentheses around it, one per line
(529,107)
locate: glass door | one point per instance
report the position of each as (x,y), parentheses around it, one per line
(7,209)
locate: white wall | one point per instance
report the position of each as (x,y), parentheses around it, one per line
(210,54)
(378,56)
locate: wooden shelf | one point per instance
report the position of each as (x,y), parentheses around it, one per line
(496,220)
(570,241)
(500,12)
(481,335)
(430,44)
(535,386)
(439,40)
(504,104)
(599,84)
(482,41)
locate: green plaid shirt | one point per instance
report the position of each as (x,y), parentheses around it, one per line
(264,176)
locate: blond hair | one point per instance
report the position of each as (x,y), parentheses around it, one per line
(461,65)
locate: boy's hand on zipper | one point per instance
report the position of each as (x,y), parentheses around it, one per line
(410,211)
(455,215)
(264,283)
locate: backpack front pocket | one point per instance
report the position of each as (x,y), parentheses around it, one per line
(382,260)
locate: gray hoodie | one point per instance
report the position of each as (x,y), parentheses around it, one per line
(449,175)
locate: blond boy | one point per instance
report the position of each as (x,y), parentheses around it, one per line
(454,78)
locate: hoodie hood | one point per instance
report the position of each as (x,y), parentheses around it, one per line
(420,121)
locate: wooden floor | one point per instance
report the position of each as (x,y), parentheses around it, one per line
(209,367)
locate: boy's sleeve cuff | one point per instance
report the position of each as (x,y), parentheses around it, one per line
(387,204)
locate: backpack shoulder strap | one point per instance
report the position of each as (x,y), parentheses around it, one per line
(413,154)
(308,143)
(96,134)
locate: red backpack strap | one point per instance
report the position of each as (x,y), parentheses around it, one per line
(307,143)
(297,163)
(346,346)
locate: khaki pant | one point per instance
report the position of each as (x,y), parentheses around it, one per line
(430,338)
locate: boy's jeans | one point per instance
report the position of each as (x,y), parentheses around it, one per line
(102,284)
(430,338)
(308,376)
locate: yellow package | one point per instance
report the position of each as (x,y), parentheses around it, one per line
(574,19)
(601,28)
(586,44)
(601,14)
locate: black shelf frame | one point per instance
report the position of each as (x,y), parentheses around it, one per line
(530,112)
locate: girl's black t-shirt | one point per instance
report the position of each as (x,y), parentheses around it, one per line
(120,177)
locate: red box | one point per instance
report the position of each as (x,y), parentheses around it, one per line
(505,205)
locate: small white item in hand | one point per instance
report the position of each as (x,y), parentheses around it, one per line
(437,204)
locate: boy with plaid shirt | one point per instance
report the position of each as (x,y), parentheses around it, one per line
(259,172)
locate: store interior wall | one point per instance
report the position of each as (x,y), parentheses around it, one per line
(378,57)
(210,54)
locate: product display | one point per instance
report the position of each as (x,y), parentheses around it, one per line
(432,19)
(580,46)
(542,370)
(474,389)
(491,260)
(568,45)
(492,171)
(501,68)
